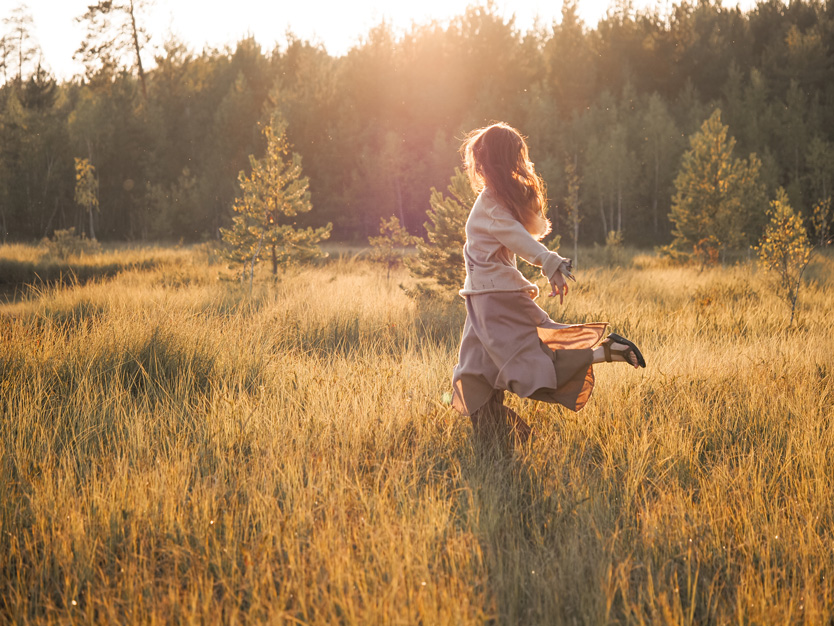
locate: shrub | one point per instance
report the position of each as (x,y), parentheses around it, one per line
(66,243)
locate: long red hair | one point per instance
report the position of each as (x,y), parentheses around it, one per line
(496,157)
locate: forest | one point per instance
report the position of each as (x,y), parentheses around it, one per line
(609,112)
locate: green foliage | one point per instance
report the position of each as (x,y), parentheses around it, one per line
(86,185)
(614,246)
(662,143)
(441,257)
(175,209)
(611,168)
(821,221)
(716,196)
(785,249)
(273,191)
(820,162)
(389,247)
(379,126)
(86,189)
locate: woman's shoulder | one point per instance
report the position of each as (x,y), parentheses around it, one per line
(491,205)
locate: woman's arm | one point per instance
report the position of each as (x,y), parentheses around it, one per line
(511,234)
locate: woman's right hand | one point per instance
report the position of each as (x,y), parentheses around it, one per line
(559,285)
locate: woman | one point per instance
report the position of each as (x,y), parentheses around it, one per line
(508,342)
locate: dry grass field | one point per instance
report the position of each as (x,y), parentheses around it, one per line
(178,450)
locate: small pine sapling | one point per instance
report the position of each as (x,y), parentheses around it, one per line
(389,247)
(274,189)
(86,189)
(785,248)
(613,246)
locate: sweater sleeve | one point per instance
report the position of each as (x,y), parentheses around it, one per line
(513,236)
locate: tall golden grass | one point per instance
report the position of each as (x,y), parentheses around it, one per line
(176,449)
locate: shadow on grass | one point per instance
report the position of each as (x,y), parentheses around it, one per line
(19,278)
(437,323)
(540,562)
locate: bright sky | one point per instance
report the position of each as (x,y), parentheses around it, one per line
(337,24)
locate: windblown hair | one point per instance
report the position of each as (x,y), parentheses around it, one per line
(496,157)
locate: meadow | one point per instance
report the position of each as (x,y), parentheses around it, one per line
(178,449)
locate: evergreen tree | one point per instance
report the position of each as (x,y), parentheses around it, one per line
(18,46)
(174,209)
(572,82)
(389,246)
(441,257)
(717,197)
(784,248)
(274,189)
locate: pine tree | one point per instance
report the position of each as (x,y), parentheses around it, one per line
(389,246)
(784,248)
(718,197)
(18,43)
(441,257)
(113,31)
(274,189)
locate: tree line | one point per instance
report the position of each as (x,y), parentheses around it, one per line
(609,112)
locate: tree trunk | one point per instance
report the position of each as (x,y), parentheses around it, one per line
(274,261)
(796,163)
(20,56)
(136,47)
(51,217)
(575,243)
(92,231)
(399,200)
(656,185)
(252,266)
(611,213)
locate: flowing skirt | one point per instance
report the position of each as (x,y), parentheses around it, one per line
(510,343)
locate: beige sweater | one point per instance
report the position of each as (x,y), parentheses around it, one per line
(493,239)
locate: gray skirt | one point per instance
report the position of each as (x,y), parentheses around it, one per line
(510,343)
